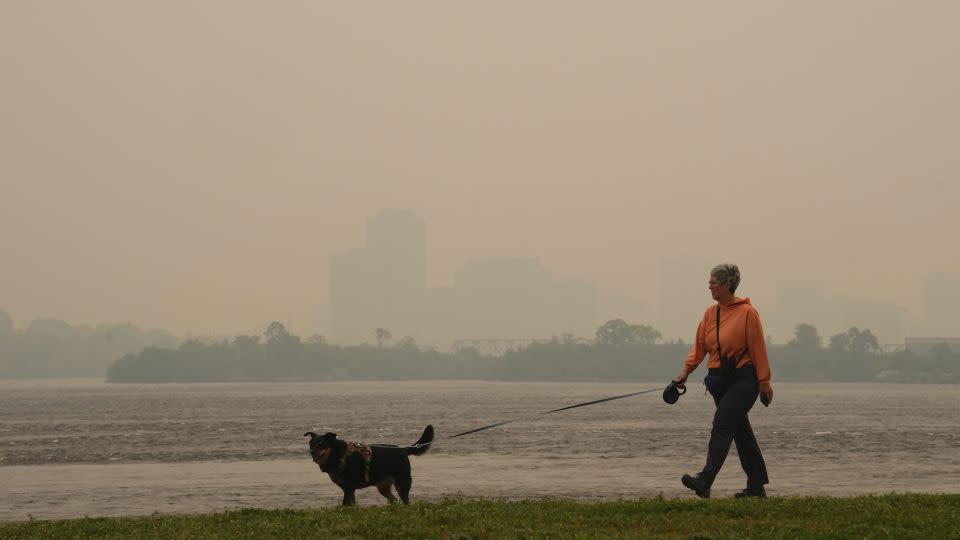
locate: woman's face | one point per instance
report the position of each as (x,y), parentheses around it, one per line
(718,289)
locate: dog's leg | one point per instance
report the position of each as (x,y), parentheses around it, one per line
(384,489)
(349,498)
(404,483)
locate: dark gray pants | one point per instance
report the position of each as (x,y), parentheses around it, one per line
(730,424)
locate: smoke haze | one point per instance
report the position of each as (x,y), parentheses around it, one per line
(193,166)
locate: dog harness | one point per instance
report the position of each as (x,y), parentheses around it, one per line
(364,451)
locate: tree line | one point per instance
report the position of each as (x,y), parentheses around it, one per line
(50,347)
(618,352)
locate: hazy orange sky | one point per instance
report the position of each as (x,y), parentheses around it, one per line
(191,165)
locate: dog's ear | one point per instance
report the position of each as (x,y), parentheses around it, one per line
(330,436)
(310,434)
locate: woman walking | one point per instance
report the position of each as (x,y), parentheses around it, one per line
(738,371)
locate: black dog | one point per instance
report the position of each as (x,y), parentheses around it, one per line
(354,466)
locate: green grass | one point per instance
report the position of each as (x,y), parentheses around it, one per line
(888,516)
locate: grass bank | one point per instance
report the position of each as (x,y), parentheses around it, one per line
(888,516)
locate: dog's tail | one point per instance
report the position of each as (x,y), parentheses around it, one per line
(423,443)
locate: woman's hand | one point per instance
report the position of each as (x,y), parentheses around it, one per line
(766,391)
(681,378)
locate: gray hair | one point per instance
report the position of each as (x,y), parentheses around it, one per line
(727,273)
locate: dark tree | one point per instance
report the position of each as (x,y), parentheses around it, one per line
(618,332)
(806,336)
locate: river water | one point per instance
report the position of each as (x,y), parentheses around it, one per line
(73,448)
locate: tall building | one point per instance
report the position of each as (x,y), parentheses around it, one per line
(377,286)
(383,285)
(398,240)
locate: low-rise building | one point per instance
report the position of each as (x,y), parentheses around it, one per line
(927,345)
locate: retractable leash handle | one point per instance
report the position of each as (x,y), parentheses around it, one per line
(673,391)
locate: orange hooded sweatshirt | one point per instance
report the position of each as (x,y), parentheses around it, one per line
(740,333)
